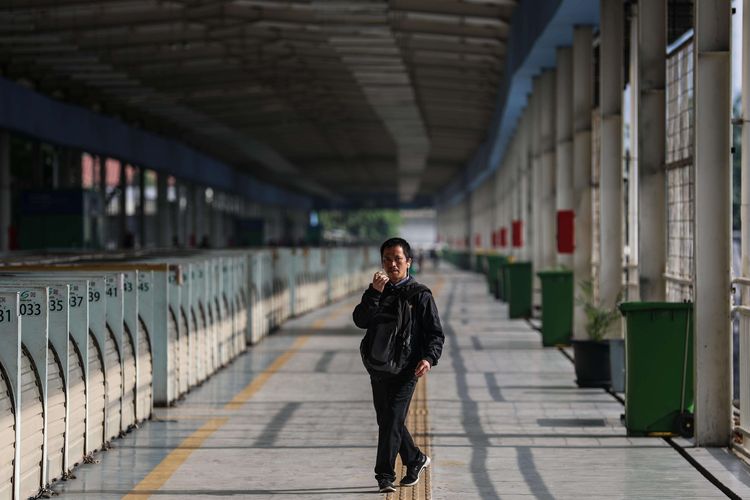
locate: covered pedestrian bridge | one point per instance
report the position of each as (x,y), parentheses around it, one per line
(176,321)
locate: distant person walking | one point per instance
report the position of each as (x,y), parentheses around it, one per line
(403,342)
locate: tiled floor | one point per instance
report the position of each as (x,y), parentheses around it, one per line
(506,421)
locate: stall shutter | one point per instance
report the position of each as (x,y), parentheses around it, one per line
(184,354)
(77,395)
(56,415)
(219,328)
(145,368)
(241,322)
(7,439)
(198,340)
(128,378)
(173,357)
(32,426)
(97,395)
(114,386)
(206,325)
(226,332)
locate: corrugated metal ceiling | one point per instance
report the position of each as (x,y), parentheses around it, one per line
(368,99)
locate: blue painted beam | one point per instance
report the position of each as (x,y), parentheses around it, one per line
(538,28)
(33,114)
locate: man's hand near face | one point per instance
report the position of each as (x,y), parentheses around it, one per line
(379,281)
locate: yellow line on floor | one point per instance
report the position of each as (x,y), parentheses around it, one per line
(162,472)
(418,422)
(249,391)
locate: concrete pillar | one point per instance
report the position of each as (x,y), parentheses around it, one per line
(630,165)
(536,230)
(564,139)
(549,219)
(649,136)
(713,235)
(164,228)
(582,106)
(521,156)
(745,219)
(5,205)
(610,181)
(527,198)
(122,217)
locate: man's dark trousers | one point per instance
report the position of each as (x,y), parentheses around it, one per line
(391,398)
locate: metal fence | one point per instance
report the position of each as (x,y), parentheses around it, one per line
(90,343)
(680,173)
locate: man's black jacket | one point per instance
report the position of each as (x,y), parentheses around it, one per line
(427,333)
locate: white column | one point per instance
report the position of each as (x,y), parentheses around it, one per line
(5,206)
(649,137)
(526,198)
(564,140)
(610,182)
(164,229)
(713,235)
(517,193)
(536,231)
(582,104)
(549,215)
(745,219)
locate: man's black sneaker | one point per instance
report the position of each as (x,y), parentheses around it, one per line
(386,486)
(415,470)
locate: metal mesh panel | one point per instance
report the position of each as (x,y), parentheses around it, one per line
(680,174)
(595,201)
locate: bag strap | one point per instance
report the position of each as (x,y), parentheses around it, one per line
(414,291)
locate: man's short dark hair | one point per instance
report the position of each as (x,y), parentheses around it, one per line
(396,242)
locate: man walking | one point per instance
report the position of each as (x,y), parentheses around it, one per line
(392,392)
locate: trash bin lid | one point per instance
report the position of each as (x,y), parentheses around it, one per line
(555,272)
(627,307)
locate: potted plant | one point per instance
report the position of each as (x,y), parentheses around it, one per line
(592,355)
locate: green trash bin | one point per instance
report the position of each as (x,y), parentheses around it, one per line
(492,264)
(479,266)
(517,289)
(658,355)
(499,277)
(502,279)
(557,307)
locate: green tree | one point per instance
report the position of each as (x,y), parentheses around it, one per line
(365,226)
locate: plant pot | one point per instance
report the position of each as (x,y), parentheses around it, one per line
(592,363)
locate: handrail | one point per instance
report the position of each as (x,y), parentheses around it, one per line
(743,310)
(678,279)
(741,280)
